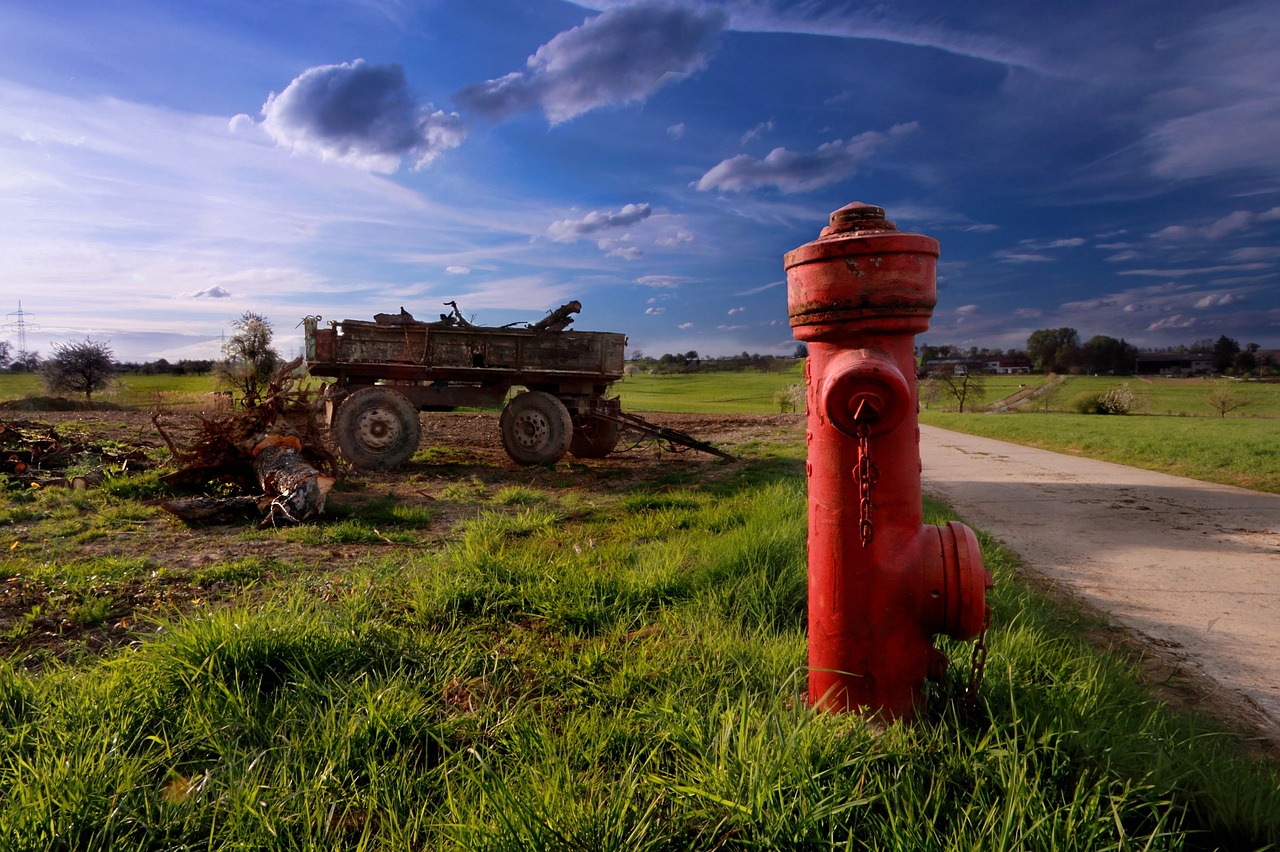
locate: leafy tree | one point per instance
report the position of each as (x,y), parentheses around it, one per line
(6,353)
(80,368)
(1106,356)
(1245,362)
(790,398)
(964,385)
(1225,351)
(802,351)
(1054,350)
(250,361)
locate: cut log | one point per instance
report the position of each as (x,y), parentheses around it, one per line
(297,488)
(85,481)
(212,510)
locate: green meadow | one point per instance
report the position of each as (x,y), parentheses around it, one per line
(573,662)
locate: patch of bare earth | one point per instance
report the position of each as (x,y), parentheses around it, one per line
(459,466)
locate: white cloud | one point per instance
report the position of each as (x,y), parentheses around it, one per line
(758,131)
(359,114)
(1271,215)
(1215,230)
(1176,321)
(1219,300)
(733,311)
(662,281)
(1203,270)
(653,312)
(620,249)
(571,230)
(1013,256)
(678,237)
(676,131)
(789,172)
(763,287)
(457,270)
(685,326)
(214,292)
(625,54)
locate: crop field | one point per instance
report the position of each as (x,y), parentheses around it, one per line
(605,655)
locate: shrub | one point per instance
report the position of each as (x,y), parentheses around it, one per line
(1118,400)
(1087,402)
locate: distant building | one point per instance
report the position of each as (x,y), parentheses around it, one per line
(1174,363)
(1009,366)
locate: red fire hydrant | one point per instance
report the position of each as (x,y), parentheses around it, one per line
(881,583)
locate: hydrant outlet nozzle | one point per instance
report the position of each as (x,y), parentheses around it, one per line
(865,390)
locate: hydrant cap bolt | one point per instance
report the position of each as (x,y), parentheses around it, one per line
(858,217)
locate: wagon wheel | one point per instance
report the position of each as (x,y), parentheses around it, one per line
(377,428)
(536,428)
(594,438)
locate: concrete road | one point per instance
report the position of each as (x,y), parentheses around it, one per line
(1191,567)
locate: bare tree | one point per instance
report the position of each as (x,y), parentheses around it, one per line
(79,368)
(964,385)
(6,353)
(1224,399)
(930,391)
(250,361)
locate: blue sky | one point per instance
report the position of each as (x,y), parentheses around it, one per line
(166,166)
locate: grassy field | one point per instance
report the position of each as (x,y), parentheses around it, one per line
(707,393)
(146,392)
(580,663)
(1156,395)
(1232,451)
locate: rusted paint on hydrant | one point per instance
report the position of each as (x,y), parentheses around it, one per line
(882,584)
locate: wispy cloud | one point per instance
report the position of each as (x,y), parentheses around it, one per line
(624,54)
(1216,230)
(789,171)
(871,23)
(1230,118)
(571,230)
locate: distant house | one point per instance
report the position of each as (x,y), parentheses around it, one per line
(1009,366)
(1174,363)
(955,366)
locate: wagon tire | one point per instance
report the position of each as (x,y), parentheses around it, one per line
(594,438)
(377,428)
(536,428)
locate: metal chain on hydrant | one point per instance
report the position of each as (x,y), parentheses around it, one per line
(867,473)
(979,664)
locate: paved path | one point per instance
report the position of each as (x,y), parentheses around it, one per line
(1192,567)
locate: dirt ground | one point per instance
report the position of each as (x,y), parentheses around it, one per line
(456,449)
(1187,573)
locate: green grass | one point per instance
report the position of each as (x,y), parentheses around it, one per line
(1162,396)
(747,392)
(133,391)
(627,678)
(1234,451)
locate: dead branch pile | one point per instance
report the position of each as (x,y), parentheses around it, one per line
(273,448)
(37,454)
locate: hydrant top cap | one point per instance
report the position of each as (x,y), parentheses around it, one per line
(858,217)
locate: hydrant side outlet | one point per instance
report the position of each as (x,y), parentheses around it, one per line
(881,582)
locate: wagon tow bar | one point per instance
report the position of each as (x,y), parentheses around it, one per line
(673,437)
